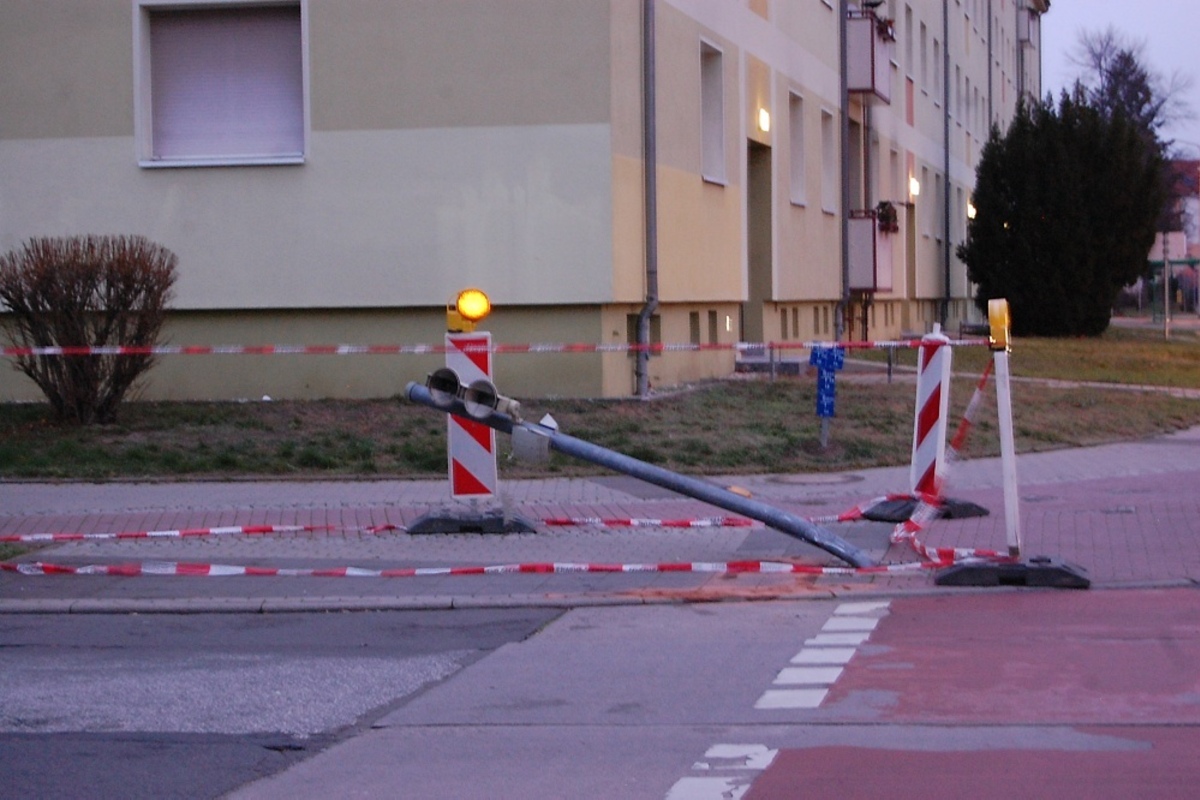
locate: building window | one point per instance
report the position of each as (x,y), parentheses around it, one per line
(927,206)
(712,114)
(937,73)
(220,84)
(799,175)
(908,40)
(924,58)
(829,164)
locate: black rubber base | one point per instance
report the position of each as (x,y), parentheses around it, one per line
(902,508)
(1039,571)
(470,522)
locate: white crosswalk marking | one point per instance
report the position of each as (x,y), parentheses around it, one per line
(808,678)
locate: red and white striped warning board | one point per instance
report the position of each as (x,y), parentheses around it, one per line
(471,445)
(929,427)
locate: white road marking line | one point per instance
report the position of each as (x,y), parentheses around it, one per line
(791,698)
(821,662)
(836,624)
(824,655)
(851,609)
(738,756)
(827,639)
(807,675)
(709,788)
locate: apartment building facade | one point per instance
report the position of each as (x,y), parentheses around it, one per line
(334,171)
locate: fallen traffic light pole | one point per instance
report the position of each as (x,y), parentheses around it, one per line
(452,402)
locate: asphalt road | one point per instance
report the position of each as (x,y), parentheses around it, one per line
(1053,693)
(996,693)
(192,706)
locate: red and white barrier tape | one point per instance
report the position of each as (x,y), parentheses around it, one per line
(929,505)
(250,530)
(436,349)
(859,511)
(177,568)
(258,530)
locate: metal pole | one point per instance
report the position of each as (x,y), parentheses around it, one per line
(775,518)
(1166,285)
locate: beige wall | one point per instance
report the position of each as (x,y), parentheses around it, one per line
(389,64)
(447,150)
(497,144)
(233,377)
(67,67)
(374,218)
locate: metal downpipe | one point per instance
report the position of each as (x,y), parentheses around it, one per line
(650,170)
(945,198)
(844,147)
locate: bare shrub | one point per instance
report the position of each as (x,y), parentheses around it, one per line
(86,291)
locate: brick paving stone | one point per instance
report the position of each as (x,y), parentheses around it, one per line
(1127,512)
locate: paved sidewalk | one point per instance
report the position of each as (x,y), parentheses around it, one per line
(1127,513)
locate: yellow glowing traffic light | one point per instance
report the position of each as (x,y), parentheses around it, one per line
(998,320)
(471,306)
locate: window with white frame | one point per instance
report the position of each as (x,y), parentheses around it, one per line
(712,114)
(220,83)
(799,175)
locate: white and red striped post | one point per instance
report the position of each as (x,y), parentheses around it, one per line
(470,445)
(999,322)
(929,425)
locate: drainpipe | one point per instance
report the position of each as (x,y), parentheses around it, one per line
(844,136)
(946,159)
(650,170)
(991,57)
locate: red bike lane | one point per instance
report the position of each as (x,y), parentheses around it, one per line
(1015,694)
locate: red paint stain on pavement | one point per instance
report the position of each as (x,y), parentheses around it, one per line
(1160,763)
(1063,657)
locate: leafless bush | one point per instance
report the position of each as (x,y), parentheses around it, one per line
(85,291)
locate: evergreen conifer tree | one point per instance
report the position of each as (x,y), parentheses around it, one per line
(1066,207)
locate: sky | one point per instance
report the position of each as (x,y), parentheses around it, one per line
(1170,30)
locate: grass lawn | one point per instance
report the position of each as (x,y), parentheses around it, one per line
(740,425)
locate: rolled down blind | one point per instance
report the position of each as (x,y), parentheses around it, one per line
(227,82)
